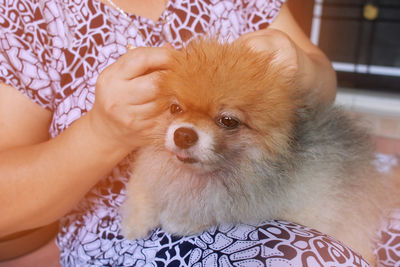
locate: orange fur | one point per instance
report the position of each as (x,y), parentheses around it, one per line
(245,81)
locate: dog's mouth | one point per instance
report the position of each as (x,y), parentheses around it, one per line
(185,158)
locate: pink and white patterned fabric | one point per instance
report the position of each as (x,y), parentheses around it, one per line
(53,51)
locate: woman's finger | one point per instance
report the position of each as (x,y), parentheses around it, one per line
(144,89)
(140,61)
(267,41)
(143,112)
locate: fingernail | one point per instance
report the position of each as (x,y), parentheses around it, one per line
(168,45)
(130,47)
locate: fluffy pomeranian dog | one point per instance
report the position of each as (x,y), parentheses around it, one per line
(238,142)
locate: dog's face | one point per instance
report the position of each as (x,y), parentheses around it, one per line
(225,104)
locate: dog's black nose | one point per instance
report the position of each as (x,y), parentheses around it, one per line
(185,137)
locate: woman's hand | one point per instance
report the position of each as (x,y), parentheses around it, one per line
(125,94)
(84,152)
(272,41)
(304,61)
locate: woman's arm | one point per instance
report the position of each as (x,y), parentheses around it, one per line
(42,179)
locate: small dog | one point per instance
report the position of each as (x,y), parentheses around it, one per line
(239,142)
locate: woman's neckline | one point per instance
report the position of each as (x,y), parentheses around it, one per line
(156,18)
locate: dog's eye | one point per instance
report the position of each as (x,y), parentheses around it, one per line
(228,122)
(175,108)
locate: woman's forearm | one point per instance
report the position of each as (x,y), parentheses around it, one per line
(39,183)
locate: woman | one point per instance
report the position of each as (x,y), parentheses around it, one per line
(75,100)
